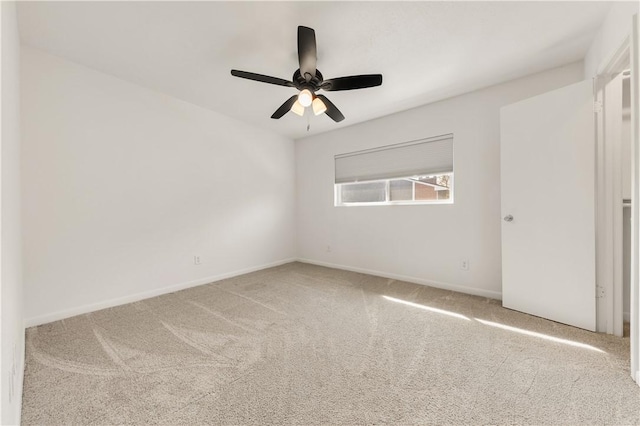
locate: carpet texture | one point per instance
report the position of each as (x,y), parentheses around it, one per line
(302,344)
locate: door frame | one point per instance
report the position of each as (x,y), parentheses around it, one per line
(635,204)
(609,285)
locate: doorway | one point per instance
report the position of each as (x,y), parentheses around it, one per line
(617,194)
(613,197)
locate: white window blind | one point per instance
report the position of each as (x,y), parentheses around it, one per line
(422,157)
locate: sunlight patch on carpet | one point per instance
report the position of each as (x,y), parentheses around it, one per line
(539,335)
(427,308)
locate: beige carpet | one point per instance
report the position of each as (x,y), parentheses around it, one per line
(301,344)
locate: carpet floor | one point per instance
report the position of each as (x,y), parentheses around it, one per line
(302,344)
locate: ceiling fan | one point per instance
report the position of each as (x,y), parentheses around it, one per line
(308,80)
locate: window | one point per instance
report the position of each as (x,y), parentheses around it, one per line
(417,172)
(414,190)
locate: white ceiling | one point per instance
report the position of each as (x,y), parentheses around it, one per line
(426,51)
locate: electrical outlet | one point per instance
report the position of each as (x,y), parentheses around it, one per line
(196,260)
(464,264)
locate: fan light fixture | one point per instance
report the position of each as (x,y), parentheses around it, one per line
(318,106)
(309,80)
(297,108)
(305,97)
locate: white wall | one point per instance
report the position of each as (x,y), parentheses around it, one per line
(11,309)
(122,186)
(423,243)
(614,29)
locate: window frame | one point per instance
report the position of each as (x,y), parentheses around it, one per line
(337,195)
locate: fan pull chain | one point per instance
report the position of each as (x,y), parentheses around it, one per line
(308,122)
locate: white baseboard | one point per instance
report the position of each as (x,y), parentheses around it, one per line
(68,313)
(431,283)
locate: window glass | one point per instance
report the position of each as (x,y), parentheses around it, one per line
(401,190)
(368,192)
(433,188)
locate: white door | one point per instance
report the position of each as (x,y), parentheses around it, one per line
(548,205)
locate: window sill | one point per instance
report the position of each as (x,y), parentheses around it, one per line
(396,203)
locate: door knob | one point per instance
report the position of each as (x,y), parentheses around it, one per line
(508,218)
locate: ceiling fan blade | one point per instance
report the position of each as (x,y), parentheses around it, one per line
(352,82)
(332,111)
(285,107)
(261,78)
(307,56)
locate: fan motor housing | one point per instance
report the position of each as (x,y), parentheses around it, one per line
(301,83)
